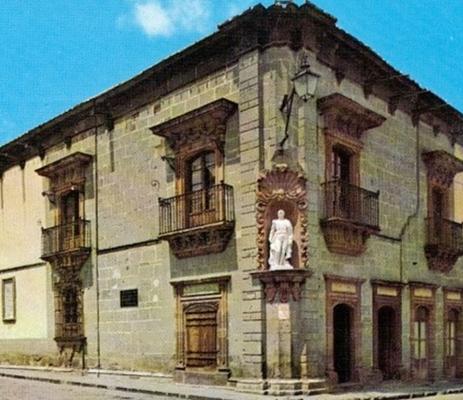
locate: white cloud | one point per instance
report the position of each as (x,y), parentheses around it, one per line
(165,18)
(153,19)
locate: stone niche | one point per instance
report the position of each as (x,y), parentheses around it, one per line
(282,188)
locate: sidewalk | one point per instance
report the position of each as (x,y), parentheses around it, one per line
(163,386)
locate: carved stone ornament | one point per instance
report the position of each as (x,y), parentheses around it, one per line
(442,167)
(67,173)
(200,241)
(198,127)
(441,259)
(282,285)
(282,188)
(346,117)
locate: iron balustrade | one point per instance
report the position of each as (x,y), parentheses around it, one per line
(445,233)
(196,209)
(349,202)
(66,237)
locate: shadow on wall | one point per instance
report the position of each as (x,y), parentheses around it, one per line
(86,274)
(207,264)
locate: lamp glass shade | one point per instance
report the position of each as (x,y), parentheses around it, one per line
(305,84)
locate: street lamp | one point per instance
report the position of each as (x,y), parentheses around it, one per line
(304,85)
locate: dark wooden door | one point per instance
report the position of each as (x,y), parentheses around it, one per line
(342,324)
(386,339)
(201,336)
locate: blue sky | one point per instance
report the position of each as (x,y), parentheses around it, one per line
(55,54)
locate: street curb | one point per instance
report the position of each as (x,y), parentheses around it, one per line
(402,396)
(109,387)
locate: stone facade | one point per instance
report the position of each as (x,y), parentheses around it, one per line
(280,347)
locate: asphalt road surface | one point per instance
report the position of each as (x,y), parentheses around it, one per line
(19,389)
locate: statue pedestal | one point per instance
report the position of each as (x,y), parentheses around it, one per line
(283,333)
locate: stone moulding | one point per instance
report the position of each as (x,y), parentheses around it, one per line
(346,117)
(442,167)
(276,188)
(282,285)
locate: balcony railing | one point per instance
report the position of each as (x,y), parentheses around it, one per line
(66,238)
(445,234)
(345,201)
(196,209)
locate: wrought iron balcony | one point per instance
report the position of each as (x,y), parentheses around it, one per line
(346,201)
(444,243)
(73,237)
(198,222)
(350,215)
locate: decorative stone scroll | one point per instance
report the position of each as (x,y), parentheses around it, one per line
(282,188)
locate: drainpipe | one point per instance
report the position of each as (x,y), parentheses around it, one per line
(417,204)
(97,274)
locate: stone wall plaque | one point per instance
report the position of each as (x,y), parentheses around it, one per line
(453,296)
(422,292)
(386,291)
(201,288)
(343,287)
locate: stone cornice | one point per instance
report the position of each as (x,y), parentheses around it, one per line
(347,117)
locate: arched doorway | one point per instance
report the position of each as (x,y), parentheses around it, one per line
(387,337)
(343,355)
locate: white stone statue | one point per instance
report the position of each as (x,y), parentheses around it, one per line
(281,242)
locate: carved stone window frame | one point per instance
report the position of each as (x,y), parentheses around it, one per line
(67,175)
(441,168)
(343,290)
(198,131)
(217,299)
(423,295)
(345,123)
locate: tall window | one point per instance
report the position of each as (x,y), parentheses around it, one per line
(70,207)
(70,306)
(341,160)
(200,182)
(202,172)
(421,333)
(451,333)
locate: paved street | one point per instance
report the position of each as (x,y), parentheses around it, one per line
(19,389)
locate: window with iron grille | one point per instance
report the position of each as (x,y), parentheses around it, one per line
(129,298)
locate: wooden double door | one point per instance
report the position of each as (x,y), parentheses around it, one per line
(201,347)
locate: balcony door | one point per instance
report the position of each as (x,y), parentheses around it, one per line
(341,161)
(69,224)
(201,196)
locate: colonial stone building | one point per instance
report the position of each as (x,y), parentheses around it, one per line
(135,226)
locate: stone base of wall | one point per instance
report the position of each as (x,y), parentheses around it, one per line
(214,378)
(282,387)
